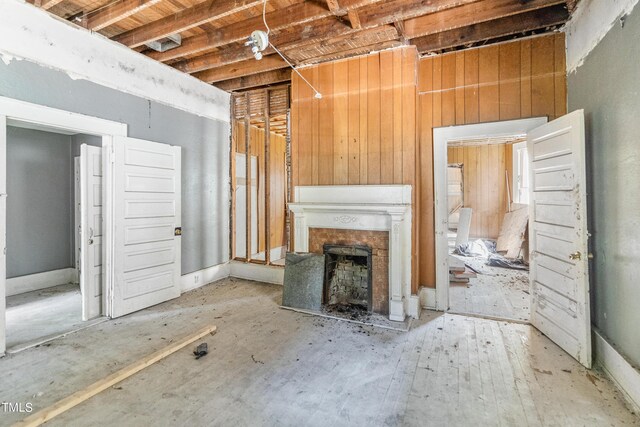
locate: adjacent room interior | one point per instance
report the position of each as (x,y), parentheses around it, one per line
(488,264)
(44,297)
(340,212)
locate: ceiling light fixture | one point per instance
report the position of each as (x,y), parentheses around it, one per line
(259,41)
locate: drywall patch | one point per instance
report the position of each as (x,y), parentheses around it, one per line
(588,25)
(32,34)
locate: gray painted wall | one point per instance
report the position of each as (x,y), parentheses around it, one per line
(607,87)
(204,142)
(39,202)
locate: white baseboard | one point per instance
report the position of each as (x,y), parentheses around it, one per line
(427,298)
(257,272)
(197,279)
(35,282)
(626,377)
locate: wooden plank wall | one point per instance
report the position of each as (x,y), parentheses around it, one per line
(278,180)
(485,186)
(370,128)
(519,79)
(363,130)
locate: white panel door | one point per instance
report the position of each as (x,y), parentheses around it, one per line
(144,242)
(559,273)
(3,229)
(91,231)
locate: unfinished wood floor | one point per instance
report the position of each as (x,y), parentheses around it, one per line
(269,366)
(497,292)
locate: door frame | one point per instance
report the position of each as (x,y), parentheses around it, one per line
(441,137)
(39,117)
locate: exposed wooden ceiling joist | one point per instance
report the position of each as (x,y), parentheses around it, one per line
(256,80)
(298,13)
(202,13)
(473,13)
(115,12)
(251,66)
(507,26)
(306,31)
(46,4)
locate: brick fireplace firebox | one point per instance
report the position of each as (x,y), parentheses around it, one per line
(378,241)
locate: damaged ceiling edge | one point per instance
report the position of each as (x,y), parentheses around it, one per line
(50,42)
(588,25)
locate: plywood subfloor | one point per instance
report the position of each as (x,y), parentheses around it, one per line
(33,316)
(499,292)
(271,367)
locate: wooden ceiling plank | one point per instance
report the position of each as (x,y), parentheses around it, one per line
(510,25)
(361,50)
(334,6)
(298,13)
(298,16)
(400,10)
(354,19)
(469,14)
(286,42)
(224,56)
(256,80)
(244,68)
(115,12)
(47,4)
(200,14)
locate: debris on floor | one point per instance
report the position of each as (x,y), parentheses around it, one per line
(496,260)
(201,350)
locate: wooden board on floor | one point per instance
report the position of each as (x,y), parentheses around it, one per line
(78,397)
(513,232)
(455,265)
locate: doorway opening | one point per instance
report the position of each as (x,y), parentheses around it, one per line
(43,294)
(487,229)
(473,178)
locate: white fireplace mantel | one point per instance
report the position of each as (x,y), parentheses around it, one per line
(364,207)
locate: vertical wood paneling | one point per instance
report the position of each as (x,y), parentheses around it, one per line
(364,119)
(340,123)
(488,76)
(560,83)
(484,185)
(527,72)
(305,120)
(315,135)
(525,78)
(471,103)
(325,119)
(542,77)
(425,215)
(509,70)
(365,123)
(373,121)
(448,89)
(386,117)
(354,121)
(397,114)
(459,88)
(520,79)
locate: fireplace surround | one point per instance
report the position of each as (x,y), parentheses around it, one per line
(363,207)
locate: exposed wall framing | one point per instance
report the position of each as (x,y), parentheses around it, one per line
(260,132)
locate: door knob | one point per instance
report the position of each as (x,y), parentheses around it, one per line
(576,256)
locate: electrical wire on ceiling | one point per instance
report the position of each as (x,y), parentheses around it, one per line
(259,40)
